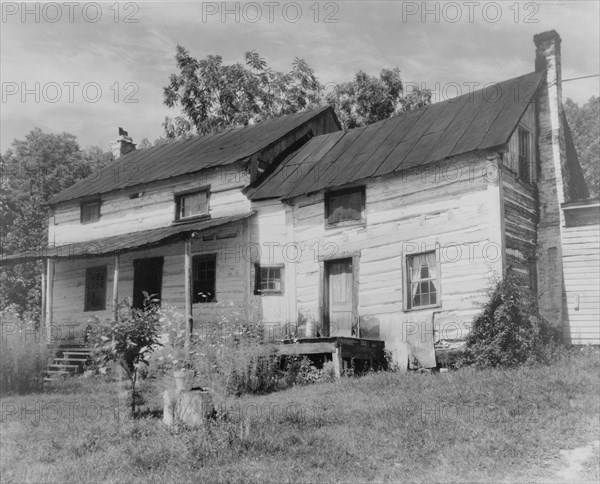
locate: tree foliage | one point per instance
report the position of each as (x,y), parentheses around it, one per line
(368,99)
(213,96)
(131,339)
(33,170)
(584,122)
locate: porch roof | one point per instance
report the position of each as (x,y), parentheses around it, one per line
(120,243)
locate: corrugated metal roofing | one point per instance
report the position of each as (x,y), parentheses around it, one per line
(187,156)
(475,121)
(120,243)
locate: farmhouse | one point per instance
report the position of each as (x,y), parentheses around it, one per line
(388,233)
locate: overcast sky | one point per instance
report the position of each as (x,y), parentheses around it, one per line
(88,68)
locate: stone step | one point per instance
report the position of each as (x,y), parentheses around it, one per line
(82,360)
(63,366)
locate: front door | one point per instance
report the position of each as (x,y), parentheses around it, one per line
(338,296)
(147,277)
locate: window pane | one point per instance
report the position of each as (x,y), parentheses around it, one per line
(193,204)
(422,279)
(268,279)
(95,289)
(204,280)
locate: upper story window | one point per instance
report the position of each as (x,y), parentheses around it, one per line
(345,207)
(191,204)
(90,211)
(268,279)
(525,155)
(422,281)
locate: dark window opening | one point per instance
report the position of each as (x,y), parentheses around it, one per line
(95,289)
(524,155)
(90,211)
(204,278)
(344,207)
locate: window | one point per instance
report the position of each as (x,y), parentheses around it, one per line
(524,155)
(268,280)
(422,280)
(344,207)
(90,211)
(95,289)
(193,204)
(204,278)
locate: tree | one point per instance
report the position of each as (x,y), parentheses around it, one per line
(584,122)
(367,99)
(213,96)
(130,340)
(31,172)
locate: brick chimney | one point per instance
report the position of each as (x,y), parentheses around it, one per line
(552,177)
(122,145)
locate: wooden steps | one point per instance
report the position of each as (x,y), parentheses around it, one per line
(68,360)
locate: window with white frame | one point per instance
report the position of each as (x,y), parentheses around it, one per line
(422,281)
(191,204)
(268,279)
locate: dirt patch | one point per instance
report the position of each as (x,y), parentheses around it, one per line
(580,464)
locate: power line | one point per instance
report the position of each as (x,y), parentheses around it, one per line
(582,77)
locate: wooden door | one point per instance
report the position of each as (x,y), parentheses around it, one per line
(147,277)
(339,314)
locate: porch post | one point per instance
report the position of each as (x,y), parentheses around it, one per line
(49,291)
(116,289)
(187,271)
(43,305)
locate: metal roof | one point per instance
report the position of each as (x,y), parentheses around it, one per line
(479,120)
(120,243)
(187,156)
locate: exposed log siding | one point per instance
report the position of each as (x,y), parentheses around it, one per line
(231,281)
(448,209)
(520,226)
(155,208)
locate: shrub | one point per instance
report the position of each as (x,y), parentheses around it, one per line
(130,340)
(23,354)
(509,331)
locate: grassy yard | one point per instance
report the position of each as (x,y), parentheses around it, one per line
(462,426)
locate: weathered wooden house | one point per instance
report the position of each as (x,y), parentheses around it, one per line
(392,232)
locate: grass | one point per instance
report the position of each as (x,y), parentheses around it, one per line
(462,426)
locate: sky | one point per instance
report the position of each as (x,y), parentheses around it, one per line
(87,68)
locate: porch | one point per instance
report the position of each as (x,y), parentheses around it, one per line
(344,352)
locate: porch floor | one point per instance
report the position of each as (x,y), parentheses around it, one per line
(344,351)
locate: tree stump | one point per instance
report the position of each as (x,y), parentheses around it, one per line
(191,408)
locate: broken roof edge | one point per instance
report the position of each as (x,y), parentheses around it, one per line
(57,198)
(120,244)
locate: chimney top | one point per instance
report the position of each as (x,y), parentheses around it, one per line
(123,145)
(544,36)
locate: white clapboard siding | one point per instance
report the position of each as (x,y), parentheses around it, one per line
(581,268)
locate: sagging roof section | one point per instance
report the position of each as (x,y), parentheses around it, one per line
(479,120)
(121,243)
(187,156)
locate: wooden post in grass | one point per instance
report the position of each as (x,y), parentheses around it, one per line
(49,292)
(43,309)
(187,270)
